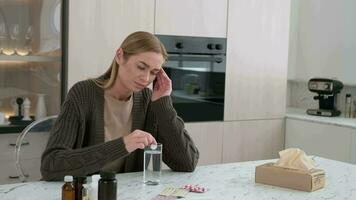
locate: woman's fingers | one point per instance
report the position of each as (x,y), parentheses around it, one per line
(163,79)
(163,86)
(164,74)
(143,140)
(147,138)
(151,139)
(159,77)
(138,140)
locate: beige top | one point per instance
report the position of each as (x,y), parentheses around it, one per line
(117,123)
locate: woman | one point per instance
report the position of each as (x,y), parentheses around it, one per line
(105,122)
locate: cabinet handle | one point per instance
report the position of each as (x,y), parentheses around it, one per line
(17,177)
(23,143)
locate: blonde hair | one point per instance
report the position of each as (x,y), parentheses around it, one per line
(136,43)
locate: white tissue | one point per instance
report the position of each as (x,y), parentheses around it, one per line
(295,158)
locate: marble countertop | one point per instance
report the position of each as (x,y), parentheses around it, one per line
(297,113)
(224,181)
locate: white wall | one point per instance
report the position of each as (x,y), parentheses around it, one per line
(323,41)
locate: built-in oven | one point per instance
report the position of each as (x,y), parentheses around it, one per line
(196,66)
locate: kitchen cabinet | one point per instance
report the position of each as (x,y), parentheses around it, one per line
(208,139)
(30,156)
(96,30)
(257,59)
(320,139)
(205,18)
(313,53)
(252,140)
(222,142)
(32,60)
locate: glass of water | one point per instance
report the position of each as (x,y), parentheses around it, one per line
(152,164)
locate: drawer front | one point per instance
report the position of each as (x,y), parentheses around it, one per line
(33,145)
(7,146)
(319,139)
(9,175)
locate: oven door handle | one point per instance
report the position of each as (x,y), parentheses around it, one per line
(195,58)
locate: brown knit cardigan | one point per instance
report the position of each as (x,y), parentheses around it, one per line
(76,143)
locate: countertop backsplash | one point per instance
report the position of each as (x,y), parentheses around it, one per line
(299,96)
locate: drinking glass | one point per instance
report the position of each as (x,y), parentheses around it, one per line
(152,164)
(25,46)
(2,118)
(3,36)
(9,49)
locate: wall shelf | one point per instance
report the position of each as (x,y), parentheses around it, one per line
(30,58)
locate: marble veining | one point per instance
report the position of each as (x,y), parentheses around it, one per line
(224,181)
(298,113)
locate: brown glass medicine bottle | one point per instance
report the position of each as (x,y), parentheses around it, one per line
(78,185)
(68,191)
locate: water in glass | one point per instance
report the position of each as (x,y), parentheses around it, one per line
(152,162)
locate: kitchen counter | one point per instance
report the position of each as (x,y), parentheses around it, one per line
(297,113)
(5,128)
(224,181)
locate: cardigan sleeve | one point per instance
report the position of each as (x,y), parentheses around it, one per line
(179,150)
(61,158)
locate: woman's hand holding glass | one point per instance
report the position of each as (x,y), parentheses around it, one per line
(163,86)
(138,140)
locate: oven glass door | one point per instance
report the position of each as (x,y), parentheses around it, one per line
(198,83)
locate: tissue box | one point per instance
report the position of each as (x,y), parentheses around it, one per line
(290,178)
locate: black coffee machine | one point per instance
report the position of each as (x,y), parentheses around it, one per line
(327,90)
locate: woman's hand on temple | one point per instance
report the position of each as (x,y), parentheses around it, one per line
(138,140)
(163,86)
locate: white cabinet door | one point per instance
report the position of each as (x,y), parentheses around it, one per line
(8,173)
(324,140)
(353,146)
(257,59)
(208,139)
(97,28)
(30,156)
(191,18)
(252,140)
(7,146)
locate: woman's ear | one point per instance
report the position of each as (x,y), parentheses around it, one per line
(119,55)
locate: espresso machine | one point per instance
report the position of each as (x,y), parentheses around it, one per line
(327,90)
